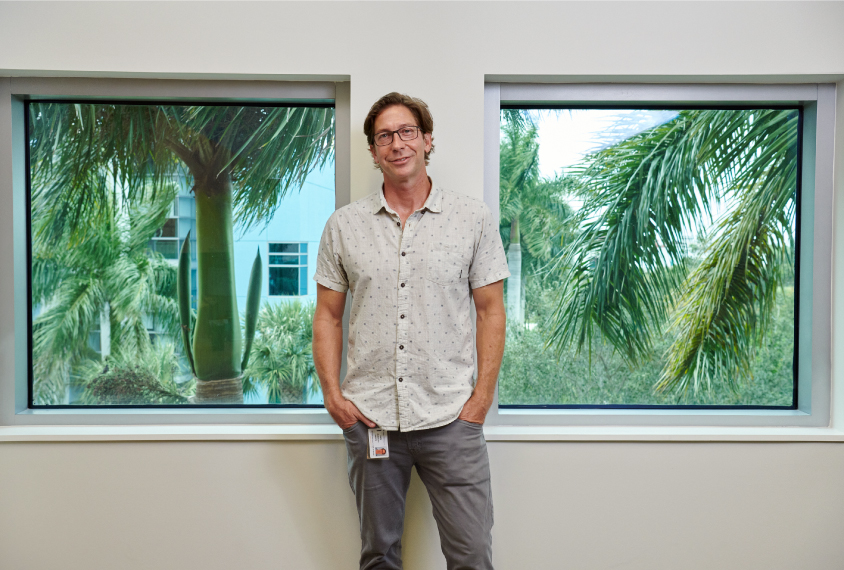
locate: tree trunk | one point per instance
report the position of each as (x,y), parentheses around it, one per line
(514,282)
(217,342)
(105,331)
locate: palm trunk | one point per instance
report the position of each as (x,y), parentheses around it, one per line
(217,343)
(514,282)
(105,331)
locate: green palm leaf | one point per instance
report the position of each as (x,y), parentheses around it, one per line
(727,300)
(627,265)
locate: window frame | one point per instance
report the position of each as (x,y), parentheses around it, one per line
(814,381)
(14,92)
(17,423)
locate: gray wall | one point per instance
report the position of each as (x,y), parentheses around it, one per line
(260,505)
(286,504)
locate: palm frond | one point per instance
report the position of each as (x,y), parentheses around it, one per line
(286,145)
(641,196)
(727,300)
(85,158)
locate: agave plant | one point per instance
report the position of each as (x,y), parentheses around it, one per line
(242,161)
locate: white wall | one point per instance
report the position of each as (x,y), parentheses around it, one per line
(257,505)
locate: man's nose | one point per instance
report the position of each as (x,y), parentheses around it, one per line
(397,143)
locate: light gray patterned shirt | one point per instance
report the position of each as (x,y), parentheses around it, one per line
(411,354)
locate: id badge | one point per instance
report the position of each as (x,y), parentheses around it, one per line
(378,444)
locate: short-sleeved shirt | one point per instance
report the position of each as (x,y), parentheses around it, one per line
(411,355)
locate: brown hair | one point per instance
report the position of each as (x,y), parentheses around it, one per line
(416,106)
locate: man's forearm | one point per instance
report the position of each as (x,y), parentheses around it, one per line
(328,354)
(491,329)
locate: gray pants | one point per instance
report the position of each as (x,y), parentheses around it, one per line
(452,462)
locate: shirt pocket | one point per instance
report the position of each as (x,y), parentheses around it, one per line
(447,265)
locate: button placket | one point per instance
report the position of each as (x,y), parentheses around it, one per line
(403,308)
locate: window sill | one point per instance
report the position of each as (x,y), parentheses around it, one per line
(493,433)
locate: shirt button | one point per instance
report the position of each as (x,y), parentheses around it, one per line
(401,317)
(402,284)
(401,347)
(398,224)
(401,379)
(403,254)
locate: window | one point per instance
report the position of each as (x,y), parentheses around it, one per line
(288,269)
(106,231)
(638,276)
(115,234)
(660,244)
(166,239)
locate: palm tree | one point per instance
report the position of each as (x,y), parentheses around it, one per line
(241,159)
(532,207)
(282,359)
(109,280)
(628,272)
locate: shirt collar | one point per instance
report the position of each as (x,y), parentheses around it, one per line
(432,204)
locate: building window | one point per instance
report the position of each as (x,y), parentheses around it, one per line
(288,269)
(123,208)
(166,240)
(656,239)
(652,253)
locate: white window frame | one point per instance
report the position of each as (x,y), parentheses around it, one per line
(812,415)
(811,422)
(17,420)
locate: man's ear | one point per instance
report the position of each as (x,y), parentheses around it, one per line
(374,157)
(428,139)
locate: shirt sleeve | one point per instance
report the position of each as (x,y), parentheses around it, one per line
(329,265)
(489,263)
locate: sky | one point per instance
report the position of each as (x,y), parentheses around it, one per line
(565,136)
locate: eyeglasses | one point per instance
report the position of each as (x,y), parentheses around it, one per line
(405,134)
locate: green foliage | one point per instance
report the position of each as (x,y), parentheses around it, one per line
(86,156)
(281,359)
(146,377)
(534,211)
(109,274)
(623,273)
(532,374)
(537,204)
(253,300)
(184,300)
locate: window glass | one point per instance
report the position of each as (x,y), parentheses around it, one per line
(131,201)
(288,273)
(652,256)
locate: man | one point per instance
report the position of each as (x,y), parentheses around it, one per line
(413,255)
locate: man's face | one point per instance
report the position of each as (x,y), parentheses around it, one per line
(400,160)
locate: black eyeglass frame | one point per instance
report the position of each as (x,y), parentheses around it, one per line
(394,133)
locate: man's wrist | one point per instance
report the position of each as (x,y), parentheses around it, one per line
(333,398)
(484,396)
(482,400)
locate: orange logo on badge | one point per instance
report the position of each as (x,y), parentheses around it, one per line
(380,451)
